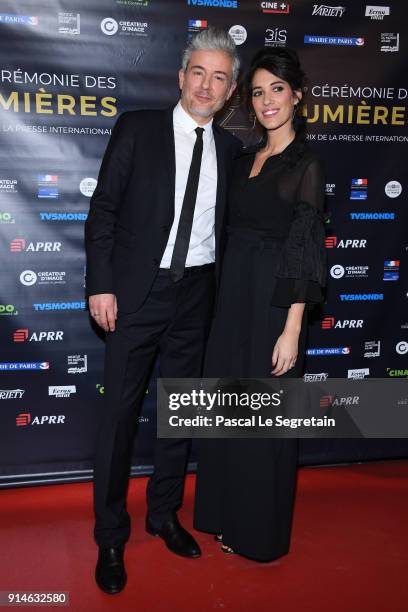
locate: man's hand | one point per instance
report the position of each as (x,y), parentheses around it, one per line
(104,310)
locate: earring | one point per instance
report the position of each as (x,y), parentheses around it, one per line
(295,107)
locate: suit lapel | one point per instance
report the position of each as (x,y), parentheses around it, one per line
(221,182)
(169,179)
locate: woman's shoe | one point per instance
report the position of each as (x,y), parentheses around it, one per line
(227,550)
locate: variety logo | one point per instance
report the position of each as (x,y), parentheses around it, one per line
(275,7)
(31,365)
(214,3)
(196,25)
(337,271)
(372,348)
(393,189)
(389,42)
(69,23)
(9,19)
(87,186)
(402,347)
(29,278)
(322,10)
(361,297)
(8,185)
(11,393)
(311,39)
(331,323)
(391,270)
(346,243)
(338,350)
(8,309)
(66,216)
(359,187)
(24,418)
(22,335)
(315,377)
(59,306)
(77,364)
(238,33)
(18,245)
(48,186)
(6,217)
(275,37)
(373,216)
(64,391)
(358,373)
(377,12)
(330,189)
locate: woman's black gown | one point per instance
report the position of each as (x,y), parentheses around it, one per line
(274,257)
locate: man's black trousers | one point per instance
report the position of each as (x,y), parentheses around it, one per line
(174,323)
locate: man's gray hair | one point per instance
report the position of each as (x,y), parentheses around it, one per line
(213,39)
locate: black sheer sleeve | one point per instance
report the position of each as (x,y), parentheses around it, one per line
(301,273)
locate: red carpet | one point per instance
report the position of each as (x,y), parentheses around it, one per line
(349,550)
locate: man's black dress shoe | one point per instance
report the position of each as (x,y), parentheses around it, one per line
(176,538)
(110,572)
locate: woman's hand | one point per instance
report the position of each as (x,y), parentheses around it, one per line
(285,352)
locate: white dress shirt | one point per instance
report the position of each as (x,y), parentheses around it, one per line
(201,249)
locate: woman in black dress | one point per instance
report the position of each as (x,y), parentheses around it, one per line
(273,266)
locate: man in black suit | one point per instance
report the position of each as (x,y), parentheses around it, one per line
(154,231)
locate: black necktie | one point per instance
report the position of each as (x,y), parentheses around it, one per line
(178,260)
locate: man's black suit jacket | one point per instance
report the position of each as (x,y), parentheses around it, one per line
(132,208)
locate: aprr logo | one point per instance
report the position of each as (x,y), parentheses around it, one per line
(23,419)
(20,335)
(17,245)
(330,322)
(326,401)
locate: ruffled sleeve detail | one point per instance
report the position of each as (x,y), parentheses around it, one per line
(302,268)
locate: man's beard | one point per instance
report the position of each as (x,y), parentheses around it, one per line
(202,112)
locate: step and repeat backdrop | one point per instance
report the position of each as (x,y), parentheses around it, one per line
(68,69)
